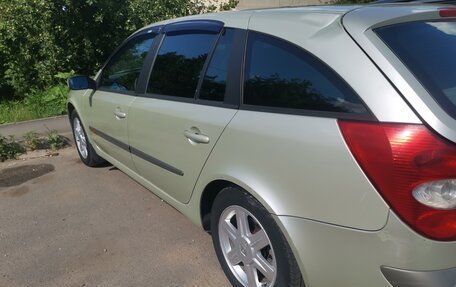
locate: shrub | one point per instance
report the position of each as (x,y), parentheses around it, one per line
(50,102)
(37,103)
(55,141)
(39,38)
(31,140)
(9,148)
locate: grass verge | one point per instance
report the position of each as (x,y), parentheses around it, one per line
(36,105)
(12,112)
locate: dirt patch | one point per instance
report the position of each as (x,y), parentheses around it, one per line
(18,175)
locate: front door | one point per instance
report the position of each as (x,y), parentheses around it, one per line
(109,105)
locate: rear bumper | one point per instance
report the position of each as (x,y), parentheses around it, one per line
(407,278)
(395,256)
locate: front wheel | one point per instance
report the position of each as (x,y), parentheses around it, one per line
(85,150)
(251,249)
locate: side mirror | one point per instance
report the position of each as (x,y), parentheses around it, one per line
(81,83)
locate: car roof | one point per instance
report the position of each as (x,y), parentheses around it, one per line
(239,19)
(365,15)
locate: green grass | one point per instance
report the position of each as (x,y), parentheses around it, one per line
(15,112)
(36,105)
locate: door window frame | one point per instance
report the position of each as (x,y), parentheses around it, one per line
(232,90)
(154,32)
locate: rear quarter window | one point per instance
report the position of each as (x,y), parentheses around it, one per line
(281,75)
(428,50)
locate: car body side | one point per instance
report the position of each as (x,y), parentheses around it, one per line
(353,198)
(299,166)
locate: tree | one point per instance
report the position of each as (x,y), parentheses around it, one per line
(41,38)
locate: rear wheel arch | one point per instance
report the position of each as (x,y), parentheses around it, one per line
(284,267)
(211,191)
(208,196)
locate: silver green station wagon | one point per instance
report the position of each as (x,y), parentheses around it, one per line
(316,145)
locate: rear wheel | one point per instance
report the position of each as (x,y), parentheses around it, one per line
(85,150)
(249,244)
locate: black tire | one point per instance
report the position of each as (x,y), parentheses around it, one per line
(287,271)
(92,159)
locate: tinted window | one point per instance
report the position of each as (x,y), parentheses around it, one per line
(428,49)
(214,82)
(282,75)
(123,70)
(179,63)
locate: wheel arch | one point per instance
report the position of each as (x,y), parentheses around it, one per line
(213,188)
(208,196)
(70,108)
(73,107)
(77,101)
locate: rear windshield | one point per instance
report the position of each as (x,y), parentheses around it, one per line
(428,49)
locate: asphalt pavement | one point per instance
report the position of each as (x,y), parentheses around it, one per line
(42,126)
(64,224)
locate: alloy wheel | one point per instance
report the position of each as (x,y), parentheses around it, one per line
(247,248)
(80,138)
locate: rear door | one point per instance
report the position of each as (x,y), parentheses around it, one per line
(110,103)
(187,105)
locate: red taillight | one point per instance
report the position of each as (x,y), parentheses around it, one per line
(447,12)
(399,157)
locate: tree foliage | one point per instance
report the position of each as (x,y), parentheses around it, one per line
(41,38)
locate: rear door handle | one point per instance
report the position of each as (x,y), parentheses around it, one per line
(196,137)
(119,114)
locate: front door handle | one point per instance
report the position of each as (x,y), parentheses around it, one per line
(195,137)
(119,114)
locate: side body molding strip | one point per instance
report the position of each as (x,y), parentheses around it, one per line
(137,152)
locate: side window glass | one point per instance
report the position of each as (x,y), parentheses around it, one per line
(282,75)
(179,63)
(122,72)
(214,82)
